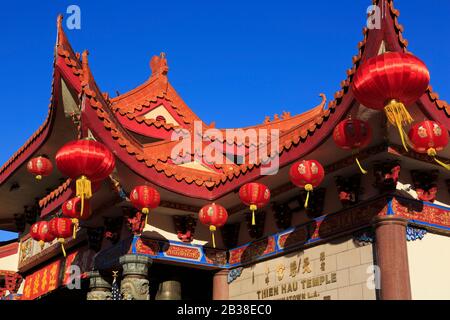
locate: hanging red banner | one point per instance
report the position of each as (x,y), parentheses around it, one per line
(42,281)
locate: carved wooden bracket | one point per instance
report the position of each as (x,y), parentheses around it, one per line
(113,228)
(257,230)
(386,175)
(135,220)
(315,203)
(185,227)
(283,215)
(95,237)
(425,184)
(230,234)
(349,189)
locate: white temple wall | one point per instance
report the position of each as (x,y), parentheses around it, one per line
(429,265)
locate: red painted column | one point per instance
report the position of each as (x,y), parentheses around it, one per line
(220,285)
(392,257)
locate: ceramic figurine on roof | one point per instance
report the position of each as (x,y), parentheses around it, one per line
(205,166)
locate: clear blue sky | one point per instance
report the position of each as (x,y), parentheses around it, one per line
(233,62)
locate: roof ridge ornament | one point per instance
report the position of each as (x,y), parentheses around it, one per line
(85,66)
(60,35)
(158,65)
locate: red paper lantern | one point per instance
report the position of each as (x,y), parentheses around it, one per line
(72,209)
(40,231)
(85,161)
(307,174)
(352,134)
(429,137)
(391,81)
(40,167)
(256,195)
(62,228)
(145,198)
(214,216)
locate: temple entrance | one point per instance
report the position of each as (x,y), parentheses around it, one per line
(168,282)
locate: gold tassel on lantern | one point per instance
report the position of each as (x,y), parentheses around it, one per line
(432,153)
(62,241)
(363,171)
(398,116)
(308,189)
(253,208)
(360,167)
(83,190)
(146,212)
(76,223)
(213,229)
(41,244)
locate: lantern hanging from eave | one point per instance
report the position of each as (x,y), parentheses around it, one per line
(40,231)
(353,134)
(255,195)
(62,228)
(307,174)
(391,81)
(145,198)
(429,137)
(72,209)
(214,216)
(85,161)
(40,167)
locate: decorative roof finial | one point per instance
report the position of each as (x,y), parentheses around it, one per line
(85,65)
(59,21)
(61,37)
(158,64)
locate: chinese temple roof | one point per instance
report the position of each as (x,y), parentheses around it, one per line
(115,121)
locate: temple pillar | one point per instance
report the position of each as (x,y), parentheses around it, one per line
(220,285)
(99,288)
(169,290)
(392,258)
(135,284)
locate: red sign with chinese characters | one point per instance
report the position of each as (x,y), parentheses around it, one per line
(42,281)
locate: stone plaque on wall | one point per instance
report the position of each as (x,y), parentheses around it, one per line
(333,271)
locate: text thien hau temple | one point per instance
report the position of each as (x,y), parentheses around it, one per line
(349,200)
